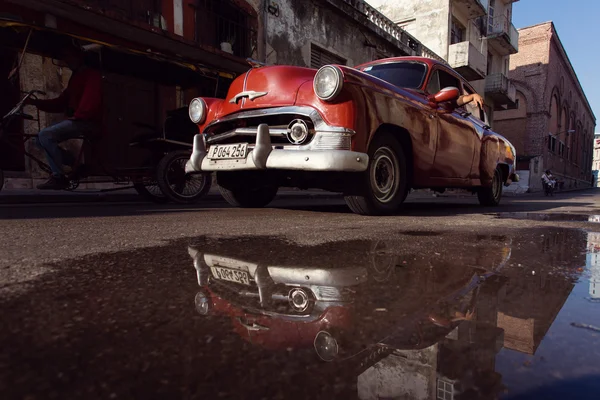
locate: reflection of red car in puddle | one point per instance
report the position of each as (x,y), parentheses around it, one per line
(339,311)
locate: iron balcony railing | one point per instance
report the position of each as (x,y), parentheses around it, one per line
(392,29)
(499,83)
(501,25)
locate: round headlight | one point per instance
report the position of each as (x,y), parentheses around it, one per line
(328,82)
(326,346)
(197,110)
(202,303)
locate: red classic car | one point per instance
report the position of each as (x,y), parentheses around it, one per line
(343,297)
(371,132)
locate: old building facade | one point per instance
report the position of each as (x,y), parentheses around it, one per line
(553,126)
(216,36)
(476,37)
(596,160)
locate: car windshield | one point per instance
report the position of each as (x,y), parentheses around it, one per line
(402,74)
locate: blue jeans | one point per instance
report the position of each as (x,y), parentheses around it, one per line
(49,139)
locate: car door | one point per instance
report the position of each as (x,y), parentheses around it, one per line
(457,137)
(481,125)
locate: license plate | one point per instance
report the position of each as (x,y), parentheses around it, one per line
(231,275)
(228,151)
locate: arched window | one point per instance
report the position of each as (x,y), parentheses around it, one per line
(562,137)
(554,123)
(571,137)
(577,143)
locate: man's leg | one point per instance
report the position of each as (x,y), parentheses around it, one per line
(49,140)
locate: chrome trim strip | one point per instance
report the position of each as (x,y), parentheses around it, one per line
(319,123)
(243,131)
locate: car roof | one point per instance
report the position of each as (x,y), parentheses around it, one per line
(430,62)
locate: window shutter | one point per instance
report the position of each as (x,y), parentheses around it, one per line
(320,57)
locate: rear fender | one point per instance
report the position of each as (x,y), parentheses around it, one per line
(495,153)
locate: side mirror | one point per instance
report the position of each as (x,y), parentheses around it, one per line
(444,95)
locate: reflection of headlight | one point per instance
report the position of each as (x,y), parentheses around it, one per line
(328,82)
(326,346)
(197,110)
(202,303)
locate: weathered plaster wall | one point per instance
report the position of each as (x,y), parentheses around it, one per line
(299,25)
(427,20)
(405,374)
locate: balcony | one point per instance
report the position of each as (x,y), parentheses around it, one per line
(500,89)
(502,35)
(467,61)
(139,25)
(385,27)
(472,8)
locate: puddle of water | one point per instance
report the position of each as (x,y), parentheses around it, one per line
(479,316)
(551,217)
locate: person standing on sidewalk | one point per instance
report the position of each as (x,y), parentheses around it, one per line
(81,102)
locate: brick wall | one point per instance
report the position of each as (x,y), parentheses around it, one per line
(540,71)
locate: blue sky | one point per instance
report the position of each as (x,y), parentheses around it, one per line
(576,22)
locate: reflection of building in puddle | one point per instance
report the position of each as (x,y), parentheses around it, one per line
(459,365)
(593,264)
(535,296)
(394,310)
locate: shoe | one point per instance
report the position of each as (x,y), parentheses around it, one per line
(53,183)
(67,169)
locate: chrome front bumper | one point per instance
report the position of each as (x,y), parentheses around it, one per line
(263,156)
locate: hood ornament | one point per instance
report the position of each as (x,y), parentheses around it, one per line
(251,95)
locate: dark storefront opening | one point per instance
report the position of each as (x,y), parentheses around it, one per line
(11,158)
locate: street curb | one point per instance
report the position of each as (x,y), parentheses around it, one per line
(8,199)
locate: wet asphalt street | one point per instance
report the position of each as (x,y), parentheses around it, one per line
(302,300)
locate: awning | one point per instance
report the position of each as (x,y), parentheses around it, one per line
(136,35)
(168,70)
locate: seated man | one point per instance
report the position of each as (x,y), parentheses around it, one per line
(82,104)
(548,179)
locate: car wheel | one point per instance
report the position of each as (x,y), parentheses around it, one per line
(176,184)
(385,182)
(491,196)
(246,194)
(150,191)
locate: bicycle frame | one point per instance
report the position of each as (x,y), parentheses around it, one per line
(17,112)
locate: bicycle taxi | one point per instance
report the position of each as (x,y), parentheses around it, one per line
(135,149)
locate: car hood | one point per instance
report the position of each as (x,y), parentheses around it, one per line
(266,87)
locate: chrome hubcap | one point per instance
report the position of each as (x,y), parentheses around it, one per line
(384,174)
